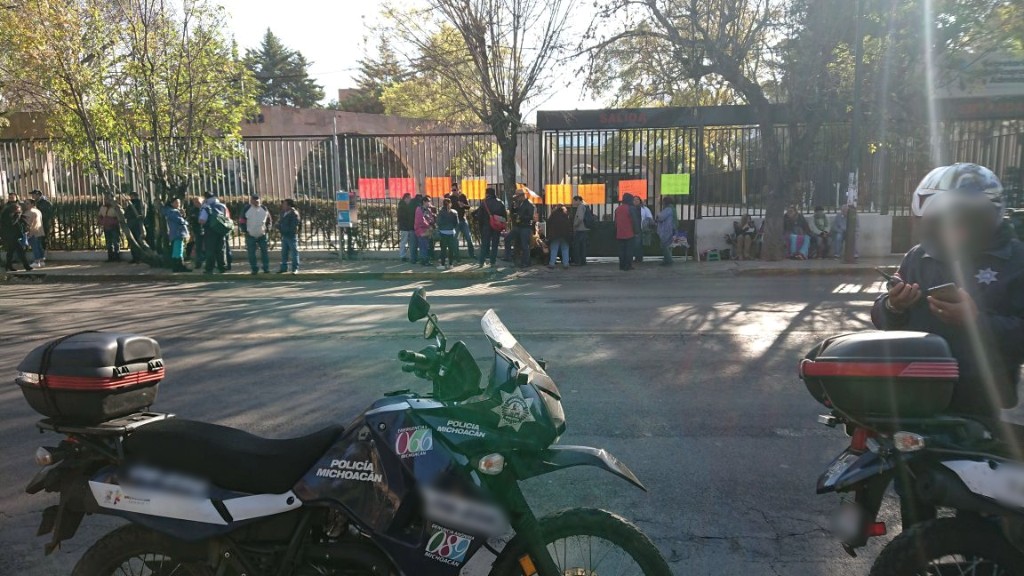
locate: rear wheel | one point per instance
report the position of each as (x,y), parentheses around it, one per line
(135,551)
(960,546)
(587,542)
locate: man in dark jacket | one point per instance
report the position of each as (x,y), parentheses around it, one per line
(12,232)
(135,219)
(460,203)
(638,227)
(214,238)
(964,242)
(522,226)
(559,233)
(406,225)
(195,245)
(289,225)
(490,237)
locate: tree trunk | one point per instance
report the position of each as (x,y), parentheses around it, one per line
(773,244)
(508,164)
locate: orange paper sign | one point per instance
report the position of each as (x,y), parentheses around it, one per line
(437,187)
(634,187)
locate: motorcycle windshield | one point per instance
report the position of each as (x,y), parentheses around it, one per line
(502,339)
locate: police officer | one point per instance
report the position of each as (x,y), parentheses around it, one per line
(965,241)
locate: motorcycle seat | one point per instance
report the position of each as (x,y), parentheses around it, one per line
(231,459)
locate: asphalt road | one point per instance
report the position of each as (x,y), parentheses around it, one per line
(692,382)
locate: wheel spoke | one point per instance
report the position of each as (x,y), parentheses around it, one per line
(585,555)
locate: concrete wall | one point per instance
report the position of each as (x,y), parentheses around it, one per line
(874,234)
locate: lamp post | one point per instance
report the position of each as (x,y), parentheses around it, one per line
(849,254)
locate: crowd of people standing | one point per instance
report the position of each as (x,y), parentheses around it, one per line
(427,233)
(203,231)
(199,231)
(24,226)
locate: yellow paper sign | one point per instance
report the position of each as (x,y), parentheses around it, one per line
(558,194)
(593,193)
(474,188)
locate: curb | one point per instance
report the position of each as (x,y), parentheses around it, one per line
(193,278)
(852,269)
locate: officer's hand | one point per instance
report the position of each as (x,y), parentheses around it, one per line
(902,295)
(963,311)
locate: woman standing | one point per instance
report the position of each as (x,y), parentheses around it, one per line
(177,233)
(34,220)
(666,230)
(425,221)
(110,220)
(625,232)
(447,222)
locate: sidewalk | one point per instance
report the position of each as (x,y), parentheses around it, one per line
(329,268)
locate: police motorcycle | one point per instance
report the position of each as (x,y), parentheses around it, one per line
(961,490)
(416,484)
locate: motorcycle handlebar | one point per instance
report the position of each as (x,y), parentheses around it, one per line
(411,357)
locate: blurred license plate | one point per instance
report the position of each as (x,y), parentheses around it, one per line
(838,466)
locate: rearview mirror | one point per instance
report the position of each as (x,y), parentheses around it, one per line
(419,308)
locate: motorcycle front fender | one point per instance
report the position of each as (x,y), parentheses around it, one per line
(560,457)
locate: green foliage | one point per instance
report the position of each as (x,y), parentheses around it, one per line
(426,94)
(183,62)
(160,85)
(282,75)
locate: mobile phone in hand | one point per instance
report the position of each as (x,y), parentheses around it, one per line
(945,292)
(890,279)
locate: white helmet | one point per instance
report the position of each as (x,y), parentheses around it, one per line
(956,184)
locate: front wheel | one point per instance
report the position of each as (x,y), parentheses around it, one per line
(133,550)
(589,542)
(961,546)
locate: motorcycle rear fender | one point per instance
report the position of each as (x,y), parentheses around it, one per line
(63,519)
(560,457)
(865,467)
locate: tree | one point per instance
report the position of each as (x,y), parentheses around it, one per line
(189,95)
(282,74)
(375,76)
(135,79)
(740,45)
(429,96)
(510,47)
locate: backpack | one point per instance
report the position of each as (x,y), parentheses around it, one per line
(589,219)
(220,223)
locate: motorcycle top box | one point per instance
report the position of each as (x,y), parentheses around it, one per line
(90,377)
(909,374)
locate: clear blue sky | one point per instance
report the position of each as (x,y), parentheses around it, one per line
(333,36)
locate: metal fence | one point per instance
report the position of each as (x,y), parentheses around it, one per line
(725,164)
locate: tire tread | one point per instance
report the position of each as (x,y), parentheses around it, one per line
(946,536)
